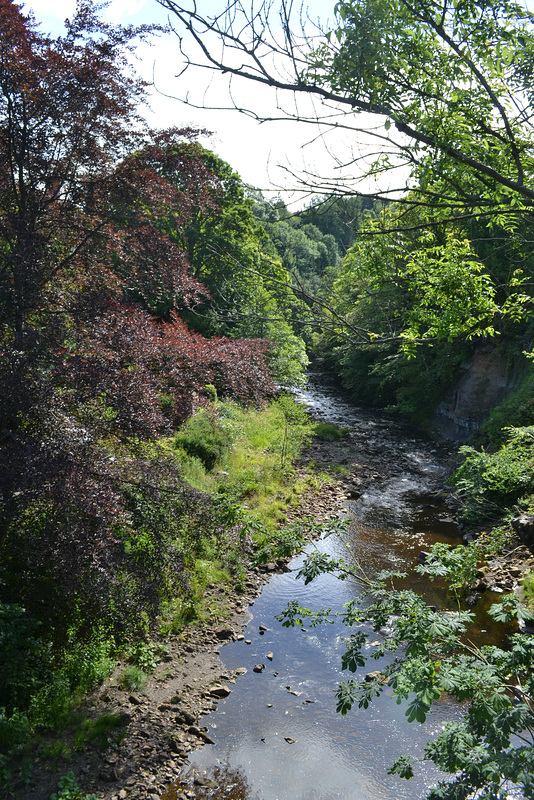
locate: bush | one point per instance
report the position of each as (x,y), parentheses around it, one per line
(14,730)
(490,484)
(204,437)
(68,789)
(25,660)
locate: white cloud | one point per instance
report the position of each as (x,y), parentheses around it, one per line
(47,12)
(253,150)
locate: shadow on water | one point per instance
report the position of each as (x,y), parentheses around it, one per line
(277,736)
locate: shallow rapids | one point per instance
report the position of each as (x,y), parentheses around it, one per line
(277,736)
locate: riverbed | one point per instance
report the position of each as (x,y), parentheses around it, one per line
(277,736)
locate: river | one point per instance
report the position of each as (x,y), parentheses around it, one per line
(277,736)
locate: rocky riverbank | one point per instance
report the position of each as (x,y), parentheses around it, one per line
(158,727)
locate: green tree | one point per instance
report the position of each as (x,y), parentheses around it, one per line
(450,81)
(450,85)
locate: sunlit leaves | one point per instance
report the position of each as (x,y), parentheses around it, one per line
(423,653)
(317,563)
(509,609)
(402,766)
(452,296)
(352,658)
(346,695)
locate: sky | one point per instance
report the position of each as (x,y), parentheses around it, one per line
(254,150)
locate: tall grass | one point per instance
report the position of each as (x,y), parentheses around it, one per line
(256,463)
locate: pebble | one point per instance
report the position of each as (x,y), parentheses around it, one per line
(220,691)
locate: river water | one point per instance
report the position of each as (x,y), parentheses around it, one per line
(277,736)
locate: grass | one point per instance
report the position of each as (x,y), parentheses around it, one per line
(339,469)
(254,485)
(256,467)
(133,678)
(105,730)
(328,432)
(528,589)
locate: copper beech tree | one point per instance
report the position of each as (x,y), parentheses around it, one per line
(89,199)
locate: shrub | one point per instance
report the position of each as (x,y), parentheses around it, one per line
(25,660)
(14,730)
(204,437)
(491,483)
(68,789)
(328,432)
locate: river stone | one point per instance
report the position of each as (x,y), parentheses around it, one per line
(200,734)
(472,599)
(224,633)
(184,716)
(220,691)
(258,667)
(135,701)
(376,675)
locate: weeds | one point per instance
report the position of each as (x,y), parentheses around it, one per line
(133,679)
(328,432)
(528,589)
(491,484)
(68,789)
(103,732)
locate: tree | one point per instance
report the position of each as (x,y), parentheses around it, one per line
(93,514)
(450,82)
